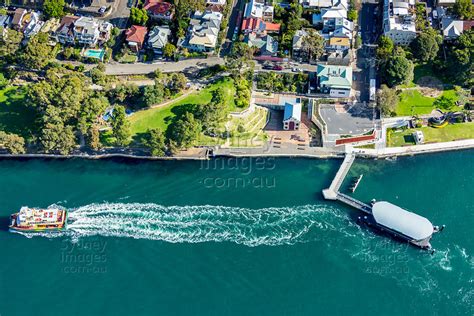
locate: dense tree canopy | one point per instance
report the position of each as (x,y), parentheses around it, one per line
(155,142)
(313,44)
(186,131)
(385,47)
(38,52)
(464,9)
(425,46)
(120,126)
(138,16)
(387,100)
(398,70)
(53,8)
(13,143)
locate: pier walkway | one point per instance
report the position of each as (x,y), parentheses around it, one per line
(346,199)
(333,190)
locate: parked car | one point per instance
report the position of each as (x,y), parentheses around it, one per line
(267,66)
(277,67)
(102,9)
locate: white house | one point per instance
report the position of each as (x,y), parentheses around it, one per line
(157,38)
(203,31)
(399,21)
(258,10)
(292,116)
(452,29)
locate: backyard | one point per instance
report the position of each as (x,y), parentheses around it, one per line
(451,132)
(15,116)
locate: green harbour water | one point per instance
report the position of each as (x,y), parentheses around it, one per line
(234,237)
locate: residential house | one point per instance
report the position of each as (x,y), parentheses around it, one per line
(338,43)
(292,116)
(203,30)
(399,21)
(90,31)
(33,26)
(65,33)
(160,10)
(5,20)
(18,16)
(318,4)
(251,25)
(216,2)
(135,37)
(258,10)
(326,17)
(298,51)
(445,3)
(340,57)
(157,39)
(452,29)
(266,45)
(334,80)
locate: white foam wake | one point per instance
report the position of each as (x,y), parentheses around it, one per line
(192,224)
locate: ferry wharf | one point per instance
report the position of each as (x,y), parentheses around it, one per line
(383,215)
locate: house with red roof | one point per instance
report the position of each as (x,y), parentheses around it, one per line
(159,9)
(135,37)
(259,26)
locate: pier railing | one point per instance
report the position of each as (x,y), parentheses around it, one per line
(353,202)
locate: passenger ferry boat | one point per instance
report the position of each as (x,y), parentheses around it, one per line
(38,220)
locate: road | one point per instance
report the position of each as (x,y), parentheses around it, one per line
(234,21)
(187,66)
(365,68)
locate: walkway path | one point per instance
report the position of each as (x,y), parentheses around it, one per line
(333,190)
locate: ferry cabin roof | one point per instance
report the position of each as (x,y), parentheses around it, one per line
(407,223)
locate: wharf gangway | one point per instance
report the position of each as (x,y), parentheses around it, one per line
(346,199)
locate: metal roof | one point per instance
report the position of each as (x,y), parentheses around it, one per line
(407,223)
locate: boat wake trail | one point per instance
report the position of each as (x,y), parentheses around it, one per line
(192,224)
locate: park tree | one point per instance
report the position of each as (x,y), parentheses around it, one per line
(185,131)
(124,93)
(152,94)
(177,82)
(239,58)
(425,46)
(387,100)
(154,140)
(55,136)
(93,137)
(38,52)
(3,81)
(385,48)
(92,108)
(169,50)
(313,45)
(397,70)
(138,16)
(120,126)
(213,113)
(14,144)
(443,102)
(53,8)
(9,44)
(464,9)
(461,59)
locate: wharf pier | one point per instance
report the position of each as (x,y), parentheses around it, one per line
(385,216)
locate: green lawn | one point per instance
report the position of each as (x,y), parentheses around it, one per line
(163,116)
(15,116)
(433,135)
(412,102)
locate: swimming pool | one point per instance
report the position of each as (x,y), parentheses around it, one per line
(95,53)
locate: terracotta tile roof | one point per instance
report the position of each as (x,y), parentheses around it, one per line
(252,24)
(136,34)
(158,7)
(468,25)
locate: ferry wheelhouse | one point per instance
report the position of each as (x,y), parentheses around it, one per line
(38,220)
